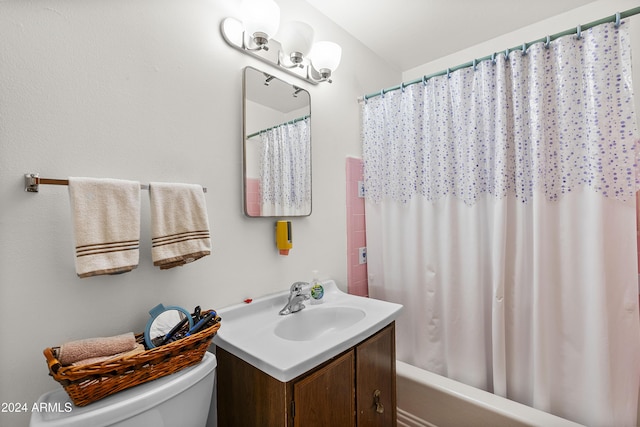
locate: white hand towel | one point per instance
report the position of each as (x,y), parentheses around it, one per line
(179,224)
(106,225)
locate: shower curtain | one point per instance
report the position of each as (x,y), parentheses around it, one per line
(285,178)
(500,212)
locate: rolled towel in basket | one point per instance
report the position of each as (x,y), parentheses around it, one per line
(75,351)
(139,348)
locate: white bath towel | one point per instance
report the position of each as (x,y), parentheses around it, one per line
(179,224)
(106,225)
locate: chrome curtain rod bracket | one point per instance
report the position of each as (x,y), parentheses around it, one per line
(32,183)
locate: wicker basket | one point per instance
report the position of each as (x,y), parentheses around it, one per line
(88,383)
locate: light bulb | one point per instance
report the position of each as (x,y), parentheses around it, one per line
(325,57)
(261,19)
(296,39)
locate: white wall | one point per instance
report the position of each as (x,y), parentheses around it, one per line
(147,90)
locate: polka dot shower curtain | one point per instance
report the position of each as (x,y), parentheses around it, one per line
(285,181)
(501,212)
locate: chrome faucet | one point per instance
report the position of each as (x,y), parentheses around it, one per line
(296,298)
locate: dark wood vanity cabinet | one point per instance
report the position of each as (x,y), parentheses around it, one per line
(355,388)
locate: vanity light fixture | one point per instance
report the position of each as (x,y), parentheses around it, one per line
(294,50)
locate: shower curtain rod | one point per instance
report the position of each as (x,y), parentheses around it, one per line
(614,18)
(290,122)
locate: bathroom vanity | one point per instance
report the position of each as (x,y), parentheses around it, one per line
(355,388)
(331,364)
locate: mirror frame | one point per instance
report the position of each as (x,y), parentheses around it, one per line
(156,312)
(244,146)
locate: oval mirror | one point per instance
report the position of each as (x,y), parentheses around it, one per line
(276,146)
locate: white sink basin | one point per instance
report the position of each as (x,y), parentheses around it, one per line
(288,346)
(309,325)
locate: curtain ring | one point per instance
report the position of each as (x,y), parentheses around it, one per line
(506,54)
(448,73)
(424,80)
(579,31)
(493,57)
(524,48)
(402,86)
(382,93)
(546,43)
(617,24)
(475,65)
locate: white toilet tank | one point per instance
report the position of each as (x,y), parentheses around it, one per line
(182,399)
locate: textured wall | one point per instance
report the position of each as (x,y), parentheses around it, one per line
(147,90)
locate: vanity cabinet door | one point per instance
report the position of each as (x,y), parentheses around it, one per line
(246,396)
(327,396)
(376,379)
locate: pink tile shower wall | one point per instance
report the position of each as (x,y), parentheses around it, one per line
(253,197)
(356,238)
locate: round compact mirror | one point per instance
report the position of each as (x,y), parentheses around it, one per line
(164,323)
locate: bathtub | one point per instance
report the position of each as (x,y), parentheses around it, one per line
(427,399)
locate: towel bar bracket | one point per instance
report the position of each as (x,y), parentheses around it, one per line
(31,182)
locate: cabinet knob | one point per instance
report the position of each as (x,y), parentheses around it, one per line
(376,401)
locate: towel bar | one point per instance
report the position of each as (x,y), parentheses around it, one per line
(32,183)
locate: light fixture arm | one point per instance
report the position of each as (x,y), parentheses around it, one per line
(260,40)
(294,61)
(324,75)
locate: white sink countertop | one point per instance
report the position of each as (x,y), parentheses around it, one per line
(254,332)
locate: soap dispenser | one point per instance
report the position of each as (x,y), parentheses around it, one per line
(317,290)
(284,241)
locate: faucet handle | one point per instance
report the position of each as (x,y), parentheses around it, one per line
(297,287)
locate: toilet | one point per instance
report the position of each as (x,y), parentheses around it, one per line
(181,399)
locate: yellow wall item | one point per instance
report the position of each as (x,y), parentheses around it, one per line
(284,241)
